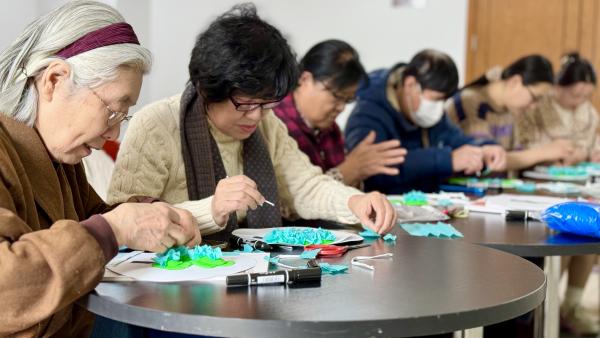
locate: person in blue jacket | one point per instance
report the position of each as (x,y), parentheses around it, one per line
(406,103)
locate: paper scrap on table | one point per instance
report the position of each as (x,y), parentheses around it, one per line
(440,230)
(389,237)
(310,254)
(273,260)
(333,269)
(368,233)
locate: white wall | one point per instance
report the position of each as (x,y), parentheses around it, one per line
(382,34)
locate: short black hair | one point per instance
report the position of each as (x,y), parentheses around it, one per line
(240,53)
(532,69)
(336,62)
(433,70)
(575,69)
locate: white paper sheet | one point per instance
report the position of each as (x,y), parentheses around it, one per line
(122,268)
(254,234)
(501,203)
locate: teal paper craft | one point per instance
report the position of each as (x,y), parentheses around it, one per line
(180,253)
(415,198)
(440,230)
(333,269)
(273,260)
(310,254)
(389,237)
(368,233)
(299,236)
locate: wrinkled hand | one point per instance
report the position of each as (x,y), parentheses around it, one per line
(370,158)
(233,194)
(374,211)
(494,157)
(153,227)
(467,159)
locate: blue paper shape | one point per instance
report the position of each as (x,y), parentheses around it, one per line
(368,233)
(299,236)
(333,269)
(310,254)
(567,171)
(389,237)
(439,230)
(273,260)
(526,187)
(231,253)
(247,248)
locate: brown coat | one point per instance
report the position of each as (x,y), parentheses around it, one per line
(47,259)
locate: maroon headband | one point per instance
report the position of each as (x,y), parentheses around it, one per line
(110,35)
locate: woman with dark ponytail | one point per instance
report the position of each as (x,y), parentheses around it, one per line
(489,106)
(569,114)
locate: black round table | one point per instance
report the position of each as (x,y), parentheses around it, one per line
(526,239)
(429,286)
(529,239)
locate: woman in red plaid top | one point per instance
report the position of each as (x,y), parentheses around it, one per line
(331,73)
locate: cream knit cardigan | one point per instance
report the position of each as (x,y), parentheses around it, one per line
(150,163)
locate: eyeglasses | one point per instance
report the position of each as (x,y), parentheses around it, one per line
(115,117)
(250,106)
(338,97)
(534,98)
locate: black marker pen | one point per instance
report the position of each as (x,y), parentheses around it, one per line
(257,244)
(275,277)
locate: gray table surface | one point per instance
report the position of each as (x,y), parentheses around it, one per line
(430,286)
(526,239)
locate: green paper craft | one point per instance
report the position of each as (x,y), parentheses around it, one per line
(203,262)
(179,258)
(414,198)
(505,183)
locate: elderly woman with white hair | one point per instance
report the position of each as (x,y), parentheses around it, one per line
(66,84)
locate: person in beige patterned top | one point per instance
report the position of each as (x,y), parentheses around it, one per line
(569,115)
(489,106)
(220,152)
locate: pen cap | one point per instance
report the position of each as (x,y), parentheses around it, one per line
(515,215)
(305,275)
(236,280)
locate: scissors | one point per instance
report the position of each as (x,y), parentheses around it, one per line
(329,250)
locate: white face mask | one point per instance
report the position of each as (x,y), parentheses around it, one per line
(429,113)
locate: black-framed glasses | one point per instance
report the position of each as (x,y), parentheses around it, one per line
(115,117)
(534,98)
(250,106)
(337,96)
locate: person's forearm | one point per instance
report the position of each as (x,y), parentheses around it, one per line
(521,159)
